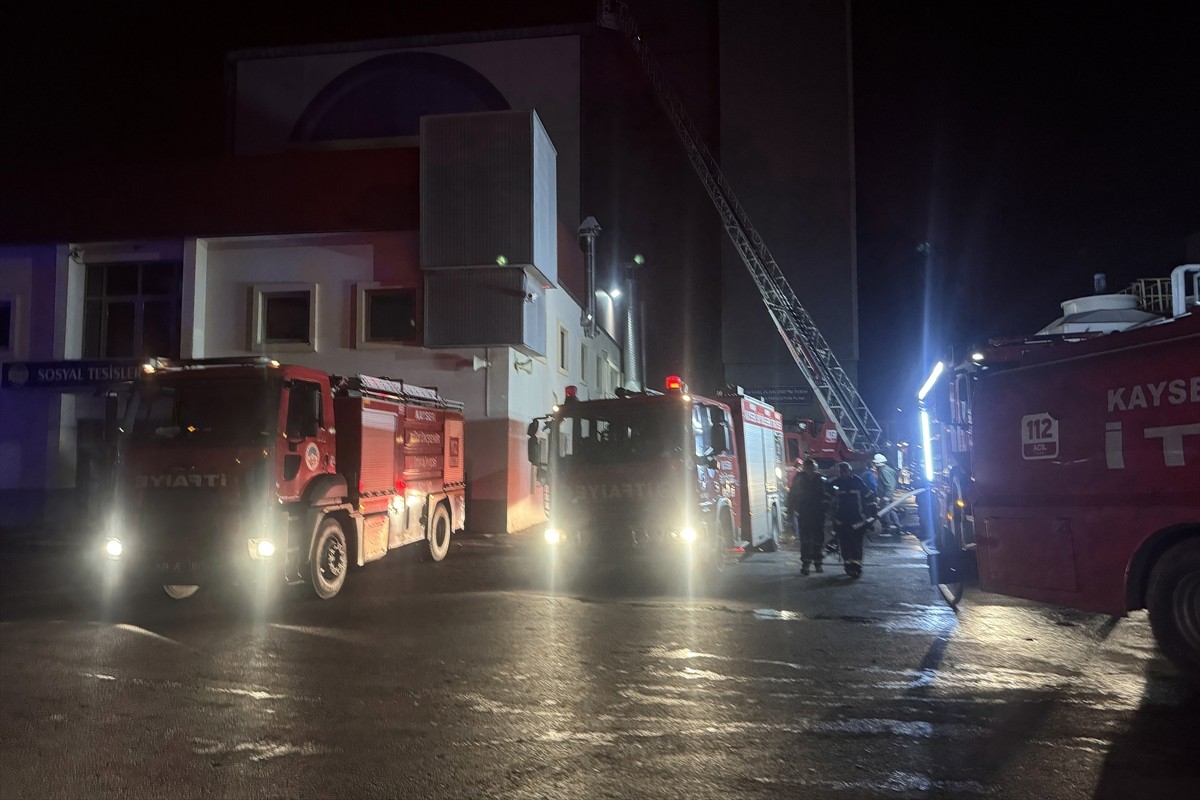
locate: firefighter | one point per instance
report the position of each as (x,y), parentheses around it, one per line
(853,505)
(808,499)
(885,492)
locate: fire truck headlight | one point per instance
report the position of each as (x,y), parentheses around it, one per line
(688,535)
(261,548)
(553,535)
(113,548)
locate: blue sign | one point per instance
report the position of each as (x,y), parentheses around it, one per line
(68,374)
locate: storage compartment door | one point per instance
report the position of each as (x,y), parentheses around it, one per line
(378,451)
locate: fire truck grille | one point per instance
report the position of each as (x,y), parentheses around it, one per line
(184,522)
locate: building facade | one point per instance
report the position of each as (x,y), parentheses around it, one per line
(348,230)
(437,245)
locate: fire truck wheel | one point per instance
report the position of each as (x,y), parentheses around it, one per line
(437,545)
(330,561)
(1173,600)
(717,551)
(180,591)
(772,542)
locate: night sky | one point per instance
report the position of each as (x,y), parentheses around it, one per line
(1030,144)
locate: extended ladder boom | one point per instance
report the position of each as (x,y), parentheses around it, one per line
(836,392)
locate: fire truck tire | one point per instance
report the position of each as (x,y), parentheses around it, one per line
(437,544)
(329,560)
(722,539)
(952,592)
(180,591)
(1173,600)
(772,542)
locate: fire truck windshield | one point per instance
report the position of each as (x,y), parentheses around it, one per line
(622,435)
(214,411)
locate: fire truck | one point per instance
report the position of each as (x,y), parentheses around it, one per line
(1068,472)
(820,441)
(670,474)
(248,470)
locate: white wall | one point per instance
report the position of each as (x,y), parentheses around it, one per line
(334,264)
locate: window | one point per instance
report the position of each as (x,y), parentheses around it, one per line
(304,410)
(285,317)
(7,323)
(387,315)
(564,343)
(601,374)
(583,363)
(132,310)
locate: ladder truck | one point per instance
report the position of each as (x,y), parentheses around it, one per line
(845,409)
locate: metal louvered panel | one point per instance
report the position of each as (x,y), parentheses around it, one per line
(487,307)
(488,189)
(378,451)
(756,469)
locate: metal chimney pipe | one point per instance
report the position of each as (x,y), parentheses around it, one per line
(635,354)
(589,229)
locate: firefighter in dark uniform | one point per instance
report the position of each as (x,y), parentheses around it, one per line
(853,504)
(808,499)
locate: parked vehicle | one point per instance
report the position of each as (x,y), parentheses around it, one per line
(236,470)
(1068,471)
(667,474)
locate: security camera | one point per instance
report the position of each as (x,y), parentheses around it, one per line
(530,297)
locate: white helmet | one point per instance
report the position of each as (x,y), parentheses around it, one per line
(880,458)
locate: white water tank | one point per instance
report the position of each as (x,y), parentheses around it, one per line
(1099,313)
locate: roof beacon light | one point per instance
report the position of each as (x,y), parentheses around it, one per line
(572,392)
(674,383)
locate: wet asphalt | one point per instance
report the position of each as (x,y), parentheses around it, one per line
(493,675)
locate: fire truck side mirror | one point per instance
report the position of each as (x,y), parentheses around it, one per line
(534,447)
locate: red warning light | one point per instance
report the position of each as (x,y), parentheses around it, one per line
(572,392)
(674,383)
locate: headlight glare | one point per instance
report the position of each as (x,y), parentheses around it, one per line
(553,535)
(261,548)
(113,548)
(688,535)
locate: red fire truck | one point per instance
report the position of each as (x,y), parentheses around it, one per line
(239,470)
(669,474)
(1071,475)
(820,441)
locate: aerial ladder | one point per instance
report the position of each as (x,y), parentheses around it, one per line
(833,388)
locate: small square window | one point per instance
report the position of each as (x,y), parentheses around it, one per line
(387,315)
(285,317)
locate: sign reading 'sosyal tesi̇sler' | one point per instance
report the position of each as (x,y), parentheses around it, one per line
(68,374)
